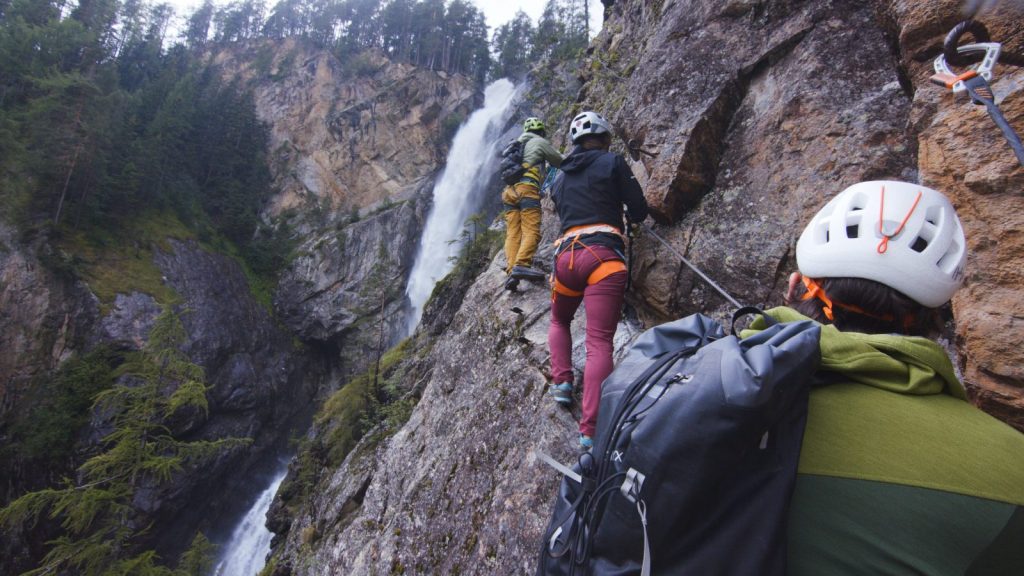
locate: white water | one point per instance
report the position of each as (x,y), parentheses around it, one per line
(458,193)
(246,552)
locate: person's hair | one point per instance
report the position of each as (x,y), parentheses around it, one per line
(887,311)
(591,141)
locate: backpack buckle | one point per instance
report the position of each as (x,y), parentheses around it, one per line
(945,77)
(632,485)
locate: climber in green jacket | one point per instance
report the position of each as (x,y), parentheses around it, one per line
(522,204)
(898,472)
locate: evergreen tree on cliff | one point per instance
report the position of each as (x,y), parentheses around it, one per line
(95,510)
(512,44)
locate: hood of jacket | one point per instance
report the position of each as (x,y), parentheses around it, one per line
(579,159)
(896,363)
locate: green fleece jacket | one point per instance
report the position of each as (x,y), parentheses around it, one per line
(536,151)
(898,473)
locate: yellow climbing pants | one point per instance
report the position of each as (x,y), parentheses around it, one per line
(522,224)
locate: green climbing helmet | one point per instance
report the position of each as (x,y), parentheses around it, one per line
(534,125)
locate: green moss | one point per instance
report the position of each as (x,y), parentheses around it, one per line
(261,286)
(344,419)
(341,415)
(121,261)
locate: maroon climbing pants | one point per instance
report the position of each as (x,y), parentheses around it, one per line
(602,303)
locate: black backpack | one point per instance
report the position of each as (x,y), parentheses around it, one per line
(512,165)
(695,456)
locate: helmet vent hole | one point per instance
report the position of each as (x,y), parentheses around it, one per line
(951,259)
(851,231)
(919,244)
(858,202)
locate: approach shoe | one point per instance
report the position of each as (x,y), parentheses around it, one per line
(527,273)
(586,442)
(562,393)
(511,284)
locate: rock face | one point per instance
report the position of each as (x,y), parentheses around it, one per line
(457,489)
(325,291)
(347,135)
(746,118)
(260,385)
(963,153)
(44,316)
(356,146)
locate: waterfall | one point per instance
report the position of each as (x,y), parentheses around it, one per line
(246,552)
(458,193)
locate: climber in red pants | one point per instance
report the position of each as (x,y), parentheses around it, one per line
(589,265)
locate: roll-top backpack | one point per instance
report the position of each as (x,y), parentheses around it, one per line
(512,165)
(695,456)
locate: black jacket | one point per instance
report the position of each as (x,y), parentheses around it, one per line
(591,189)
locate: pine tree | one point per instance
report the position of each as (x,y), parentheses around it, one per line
(513,44)
(197,30)
(101,528)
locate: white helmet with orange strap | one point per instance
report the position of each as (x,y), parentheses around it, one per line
(905,236)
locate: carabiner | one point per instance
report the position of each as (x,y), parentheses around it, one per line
(945,76)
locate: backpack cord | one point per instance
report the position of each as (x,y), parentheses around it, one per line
(703,276)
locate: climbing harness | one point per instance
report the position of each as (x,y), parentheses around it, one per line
(696,270)
(975,81)
(572,236)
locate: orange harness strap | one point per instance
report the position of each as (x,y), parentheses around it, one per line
(606,269)
(603,270)
(559,288)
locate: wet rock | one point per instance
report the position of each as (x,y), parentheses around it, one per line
(128,323)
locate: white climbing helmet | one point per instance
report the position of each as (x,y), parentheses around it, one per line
(588,123)
(905,236)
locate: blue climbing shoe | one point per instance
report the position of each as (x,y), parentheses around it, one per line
(562,393)
(586,442)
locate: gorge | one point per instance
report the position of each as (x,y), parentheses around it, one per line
(412,409)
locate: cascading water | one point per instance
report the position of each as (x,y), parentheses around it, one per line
(246,552)
(457,194)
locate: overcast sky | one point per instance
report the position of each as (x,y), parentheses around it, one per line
(497,12)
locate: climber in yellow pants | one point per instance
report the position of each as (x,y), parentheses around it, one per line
(522,204)
(522,219)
